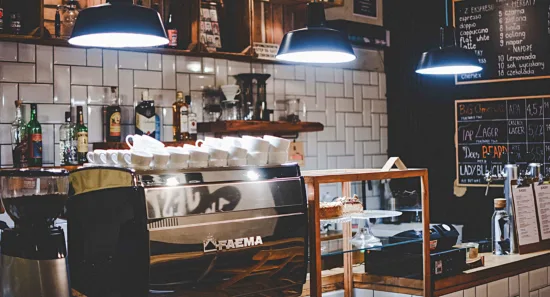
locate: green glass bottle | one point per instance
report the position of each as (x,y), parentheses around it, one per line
(34,132)
(82,137)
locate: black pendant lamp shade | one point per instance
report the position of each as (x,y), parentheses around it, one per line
(118,24)
(448,59)
(316,43)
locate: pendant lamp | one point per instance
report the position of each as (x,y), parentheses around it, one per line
(316,43)
(448,58)
(118,24)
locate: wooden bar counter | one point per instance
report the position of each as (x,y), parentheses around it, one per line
(496,268)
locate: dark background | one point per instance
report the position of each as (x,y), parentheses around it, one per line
(421,112)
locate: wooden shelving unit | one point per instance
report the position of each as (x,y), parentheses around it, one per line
(315,178)
(258,127)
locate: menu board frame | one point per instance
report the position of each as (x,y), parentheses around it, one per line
(496,80)
(457,147)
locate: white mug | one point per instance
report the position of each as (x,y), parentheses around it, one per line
(216,153)
(178,157)
(98,157)
(277,144)
(236,152)
(140,159)
(277,158)
(232,141)
(112,157)
(211,141)
(123,158)
(257,158)
(217,163)
(160,159)
(143,142)
(196,154)
(255,144)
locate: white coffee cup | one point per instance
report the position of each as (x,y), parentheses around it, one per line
(232,141)
(112,157)
(143,142)
(255,144)
(236,152)
(196,154)
(257,158)
(123,158)
(97,157)
(211,141)
(198,164)
(216,153)
(140,159)
(236,162)
(277,158)
(178,157)
(217,163)
(160,159)
(277,144)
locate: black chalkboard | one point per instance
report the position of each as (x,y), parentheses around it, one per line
(510,37)
(366,8)
(491,133)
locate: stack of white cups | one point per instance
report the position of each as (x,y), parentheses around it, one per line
(278,150)
(258,150)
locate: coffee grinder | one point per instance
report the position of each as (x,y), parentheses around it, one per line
(33,253)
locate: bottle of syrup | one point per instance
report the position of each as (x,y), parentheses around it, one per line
(145,116)
(113,116)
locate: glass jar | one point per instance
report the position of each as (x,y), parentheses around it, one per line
(292,110)
(231,110)
(68,19)
(211,104)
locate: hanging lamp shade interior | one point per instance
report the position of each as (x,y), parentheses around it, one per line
(448,58)
(316,43)
(118,24)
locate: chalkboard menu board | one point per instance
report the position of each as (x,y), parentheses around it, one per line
(365,8)
(510,37)
(491,133)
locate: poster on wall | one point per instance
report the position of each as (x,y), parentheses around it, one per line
(365,8)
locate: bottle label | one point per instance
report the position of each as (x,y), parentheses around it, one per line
(19,154)
(82,145)
(1,19)
(114,124)
(184,120)
(35,146)
(145,125)
(193,124)
(172,37)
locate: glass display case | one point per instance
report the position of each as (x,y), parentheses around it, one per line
(365,243)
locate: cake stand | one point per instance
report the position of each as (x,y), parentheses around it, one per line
(364,237)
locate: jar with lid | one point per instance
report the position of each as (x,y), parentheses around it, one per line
(292,110)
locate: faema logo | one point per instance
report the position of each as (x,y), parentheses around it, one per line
(210,244)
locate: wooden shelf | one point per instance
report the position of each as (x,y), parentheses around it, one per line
(258,127)
(336,3)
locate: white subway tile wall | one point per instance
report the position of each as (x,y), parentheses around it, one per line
(55,77)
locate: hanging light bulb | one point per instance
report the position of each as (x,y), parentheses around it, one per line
(316,43)
(118,24)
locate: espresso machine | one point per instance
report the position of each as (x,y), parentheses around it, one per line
(33,253)
(206,232)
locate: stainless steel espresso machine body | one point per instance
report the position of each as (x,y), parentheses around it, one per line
(213,232)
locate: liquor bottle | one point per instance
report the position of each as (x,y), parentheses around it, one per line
(15,20)
(180,118)
(67,142)
(158,130)
(113,116)
(172,32)
(1,16)
(19,138)
(500,228)
(145,120)
(192,119)
(34,133)
(57,22)
(81,137)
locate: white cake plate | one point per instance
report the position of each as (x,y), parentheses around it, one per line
(364,237)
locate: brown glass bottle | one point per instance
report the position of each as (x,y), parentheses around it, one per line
(34,134)
(82,137)
(180,117)
(113,116)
